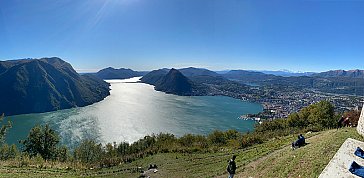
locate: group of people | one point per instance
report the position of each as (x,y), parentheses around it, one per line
(343,122)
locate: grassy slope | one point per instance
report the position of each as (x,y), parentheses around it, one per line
(270,159)
(308,161)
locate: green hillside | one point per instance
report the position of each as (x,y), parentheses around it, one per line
(270,159)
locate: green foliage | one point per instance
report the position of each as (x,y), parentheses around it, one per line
(4,128)
(43,141)
(322,114)
(88,152)
(251,139)
(217,138)
(8,152)
(62,154)
(294,120)
(187,140)
(314,117)
(277,124)
(317,116)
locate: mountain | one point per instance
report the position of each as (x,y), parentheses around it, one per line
(191,72)
(246,76)
(111,73)
(174,82)
(221,71)
(154,76)
(287,73)
(47,84)
(342,73)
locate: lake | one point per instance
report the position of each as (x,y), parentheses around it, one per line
(134,110)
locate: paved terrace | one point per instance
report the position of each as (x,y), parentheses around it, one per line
(339,165)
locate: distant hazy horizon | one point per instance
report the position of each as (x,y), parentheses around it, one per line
(218,70)
(143,35)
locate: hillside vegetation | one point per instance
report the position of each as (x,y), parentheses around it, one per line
(187,156)
(274,158)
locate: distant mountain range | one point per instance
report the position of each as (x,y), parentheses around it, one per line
(337,82)
(122,73)
(212,83)
(287,73)
(192,72)
(245,75)
(341,73)
(283,73)
(47,84)
(206,82)
(199,82)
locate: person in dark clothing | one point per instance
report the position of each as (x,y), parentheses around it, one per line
(340,122)
(301,141)
(231,167)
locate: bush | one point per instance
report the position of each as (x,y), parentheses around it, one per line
(7,152)
(62,154)
(88,152)
(43,141)
(217,138)
(251,139)
(187,140)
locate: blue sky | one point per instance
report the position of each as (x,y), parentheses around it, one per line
(297,35)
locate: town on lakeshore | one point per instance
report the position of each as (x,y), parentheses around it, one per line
(284,103)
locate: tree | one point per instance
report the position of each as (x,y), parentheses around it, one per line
(217,138)
(41,140)
(88,152)
(4,128)
(322,114)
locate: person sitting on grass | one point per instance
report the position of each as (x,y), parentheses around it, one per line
(301,141)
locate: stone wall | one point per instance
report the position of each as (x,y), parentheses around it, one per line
(360,127)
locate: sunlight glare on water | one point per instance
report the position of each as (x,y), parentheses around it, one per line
(134,110)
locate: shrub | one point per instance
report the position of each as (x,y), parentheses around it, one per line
(217,138)
(7,152)
(88,152)
(251,139)
(62,154)
(43,141)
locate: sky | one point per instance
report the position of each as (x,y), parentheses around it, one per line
(297,35)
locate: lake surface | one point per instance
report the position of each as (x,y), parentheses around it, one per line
(134,110)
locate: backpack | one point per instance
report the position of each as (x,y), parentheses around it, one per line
(229,168)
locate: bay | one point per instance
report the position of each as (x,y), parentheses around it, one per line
(134,110)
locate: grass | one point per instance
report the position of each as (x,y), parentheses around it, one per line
(308,161)
(270,159)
